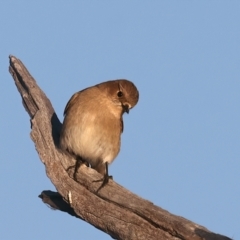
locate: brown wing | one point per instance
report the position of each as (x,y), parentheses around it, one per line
(70,103)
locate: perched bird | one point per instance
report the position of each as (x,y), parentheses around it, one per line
(93,123)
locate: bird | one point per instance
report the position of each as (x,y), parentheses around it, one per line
(93,123)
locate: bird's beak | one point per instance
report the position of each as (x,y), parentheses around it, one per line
(126,108)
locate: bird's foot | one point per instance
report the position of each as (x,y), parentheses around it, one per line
(105,178)
(104,181)
(76,167)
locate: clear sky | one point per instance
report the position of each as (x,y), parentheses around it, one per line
(181,143)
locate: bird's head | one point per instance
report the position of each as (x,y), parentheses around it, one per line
(122,93)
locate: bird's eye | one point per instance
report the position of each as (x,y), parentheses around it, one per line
(119,94)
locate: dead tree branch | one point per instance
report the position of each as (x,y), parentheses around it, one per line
(114,209)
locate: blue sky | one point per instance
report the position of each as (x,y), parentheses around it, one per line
(181,143)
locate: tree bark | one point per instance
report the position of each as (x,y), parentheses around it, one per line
(112,209)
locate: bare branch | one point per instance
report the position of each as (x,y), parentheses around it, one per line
(113,209)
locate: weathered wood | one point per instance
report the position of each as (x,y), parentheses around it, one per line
(113,209)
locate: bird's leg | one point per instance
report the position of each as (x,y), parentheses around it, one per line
(111,177)
(106,177)
(77,165)
(79,162)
